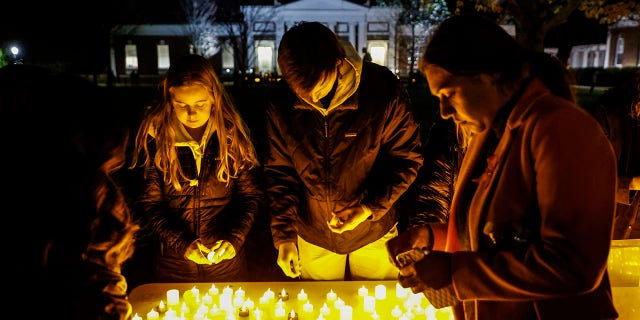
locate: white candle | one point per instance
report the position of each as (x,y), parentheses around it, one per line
(302,296)
(381,292)
(153,315)
(280,312)
(184,310)
(430,311)
(249,303)
(338,304)
(195,292)
(307,307)
(207,299)
(269,294)
(264,300)
(363,292)
(401,292)
(257,314)
(331,296)
(238,301)
(215,311)
(369,304)
(325,310)
(240,293)
(225,301)
(173,297)
(171,315)
(346,313)
(227,290)
(214,290)
(396,312)
(137,317)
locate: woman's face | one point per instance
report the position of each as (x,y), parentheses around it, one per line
(192,104)
(471,101)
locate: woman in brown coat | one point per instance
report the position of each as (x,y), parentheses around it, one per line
(531,217)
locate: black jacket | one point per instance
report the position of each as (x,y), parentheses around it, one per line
(365,149)
(208,211)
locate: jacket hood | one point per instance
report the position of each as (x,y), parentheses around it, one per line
(348,79)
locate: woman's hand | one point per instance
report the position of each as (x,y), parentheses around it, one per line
(197,252)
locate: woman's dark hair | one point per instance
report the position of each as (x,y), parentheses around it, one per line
(307,52)
(470,44)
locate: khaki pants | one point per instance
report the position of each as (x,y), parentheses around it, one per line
(370,262)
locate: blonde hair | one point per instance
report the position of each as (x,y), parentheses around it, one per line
(236,151)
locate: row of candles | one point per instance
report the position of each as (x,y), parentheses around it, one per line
(230,304)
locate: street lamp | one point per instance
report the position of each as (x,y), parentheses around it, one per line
(15,51)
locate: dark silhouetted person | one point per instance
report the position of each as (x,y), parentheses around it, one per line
(69,229)
(366,56)
(618,111)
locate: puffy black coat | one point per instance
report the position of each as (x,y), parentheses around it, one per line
(208,211)
(365,150)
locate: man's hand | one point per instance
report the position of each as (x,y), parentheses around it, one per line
(288,259)
(221,250)
(197,252)
(347,219)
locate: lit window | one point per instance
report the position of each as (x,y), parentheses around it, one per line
(264,52)
(378,51)
(619,52)
(131,57)
(227,58)
(163,57)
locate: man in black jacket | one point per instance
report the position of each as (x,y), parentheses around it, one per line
(343,146)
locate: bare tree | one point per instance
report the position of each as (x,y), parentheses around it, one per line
(242,26)
(418,19)
(200,16)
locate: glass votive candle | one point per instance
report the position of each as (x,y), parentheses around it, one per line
(284,295)
(243,312)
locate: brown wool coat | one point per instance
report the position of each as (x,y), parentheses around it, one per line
(548,202)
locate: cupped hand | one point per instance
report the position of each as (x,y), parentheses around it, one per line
(347,219)
(221,250)
(197,252)
(288,259)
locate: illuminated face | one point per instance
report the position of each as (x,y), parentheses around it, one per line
(192,104)
(471,101)
(321,89)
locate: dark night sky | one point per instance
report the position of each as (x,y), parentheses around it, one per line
(56,30)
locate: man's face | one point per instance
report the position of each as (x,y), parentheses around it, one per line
(471,101)
(321,88)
